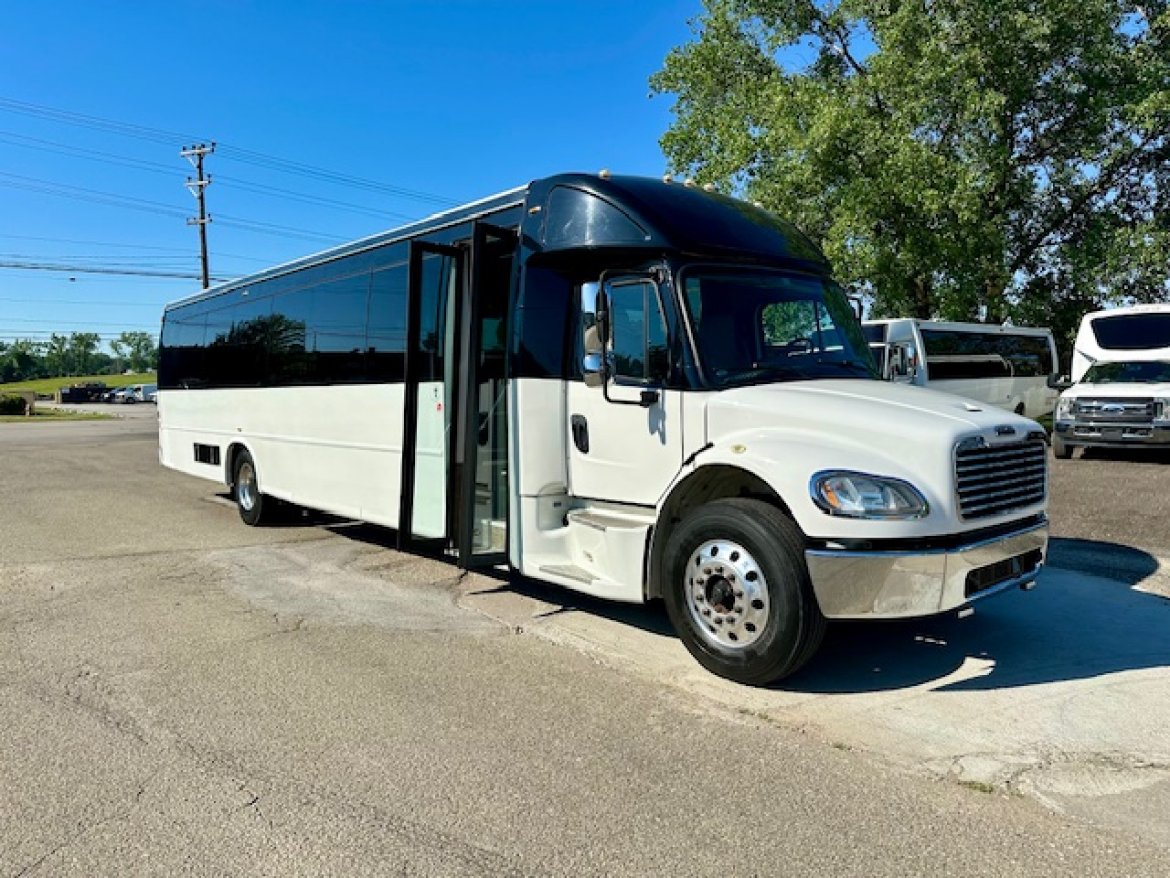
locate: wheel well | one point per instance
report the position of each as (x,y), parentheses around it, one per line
(233,453)
(707,483)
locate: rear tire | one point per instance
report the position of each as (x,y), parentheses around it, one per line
(254,507)
(738,593)
(1061,449)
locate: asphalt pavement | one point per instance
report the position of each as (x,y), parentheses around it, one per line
(183,694)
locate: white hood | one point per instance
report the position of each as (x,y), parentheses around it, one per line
(793,430)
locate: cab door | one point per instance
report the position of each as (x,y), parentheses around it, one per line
(625,433)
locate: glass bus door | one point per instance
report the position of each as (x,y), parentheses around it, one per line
(482,453)
(434,291)
(455,430)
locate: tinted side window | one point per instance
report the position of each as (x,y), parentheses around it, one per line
(289,362)
(180,357)
(542,320)
(386,335)
(438,273)
(338,328)
(637,332)
(952,354)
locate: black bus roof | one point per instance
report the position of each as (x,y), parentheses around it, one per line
(580,211)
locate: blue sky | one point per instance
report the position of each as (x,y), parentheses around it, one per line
(437,102)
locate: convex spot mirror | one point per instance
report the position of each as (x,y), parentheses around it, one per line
(593,319)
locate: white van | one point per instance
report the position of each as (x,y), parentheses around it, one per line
(1012,367)
(143,393)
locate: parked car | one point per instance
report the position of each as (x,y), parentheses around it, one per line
(123,395)
(143,392)
(1118,404)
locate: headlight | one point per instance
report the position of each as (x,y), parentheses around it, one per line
(1064,407)
(857,495)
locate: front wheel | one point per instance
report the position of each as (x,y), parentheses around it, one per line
(1061,449)
(252,504)
(738,593)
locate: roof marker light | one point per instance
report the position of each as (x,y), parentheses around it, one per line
(666,178)
(708,187)
(688,182)
(604,173)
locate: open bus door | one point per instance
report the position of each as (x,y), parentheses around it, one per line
(455,430)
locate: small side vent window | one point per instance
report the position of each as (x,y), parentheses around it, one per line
(207,454)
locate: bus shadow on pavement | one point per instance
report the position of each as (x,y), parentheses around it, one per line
(1076,624)
(1084,619)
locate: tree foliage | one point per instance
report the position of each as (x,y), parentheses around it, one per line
(965,159)
(75,354)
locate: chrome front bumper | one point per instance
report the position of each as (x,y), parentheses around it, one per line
(1113,435)
(892,585)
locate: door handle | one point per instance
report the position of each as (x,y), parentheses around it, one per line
(580,433)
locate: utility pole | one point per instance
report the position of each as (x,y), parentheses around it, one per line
(197,187)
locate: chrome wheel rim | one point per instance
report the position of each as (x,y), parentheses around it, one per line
(246,486)
(726,594)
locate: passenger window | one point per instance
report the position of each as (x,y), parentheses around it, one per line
(638,347)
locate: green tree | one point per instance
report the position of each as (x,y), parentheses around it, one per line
(966,159)
(57,355)
(137,349)
(82,348)
(20,361)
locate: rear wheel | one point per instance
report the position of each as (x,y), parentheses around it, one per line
(1061,449)
(254,506)
(738,593)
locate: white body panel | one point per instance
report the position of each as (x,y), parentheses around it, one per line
(338,449)
(566,531)
(634,451)
(785,433)
(1087,350)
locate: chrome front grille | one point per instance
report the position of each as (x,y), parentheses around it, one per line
(993,479)
(1128,411)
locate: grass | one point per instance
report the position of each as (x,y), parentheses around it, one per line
(42,415)
(49,386)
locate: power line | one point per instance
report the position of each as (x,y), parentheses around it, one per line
(78,193)
(104,303)
(97,269)
(122,324)
(246,156)
(183,250)
(158,168)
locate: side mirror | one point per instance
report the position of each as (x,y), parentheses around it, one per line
(593,334)
(1056,381)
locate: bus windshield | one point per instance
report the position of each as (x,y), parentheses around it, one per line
(757,326)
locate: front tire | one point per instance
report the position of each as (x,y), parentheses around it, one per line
(738,593)
(1061,449)
(254,507)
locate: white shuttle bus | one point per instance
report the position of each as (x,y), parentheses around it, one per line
(1139,332)
(1011,367)
(629,387)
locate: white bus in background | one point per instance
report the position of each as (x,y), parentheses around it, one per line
(1012,367)
(1139,332)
